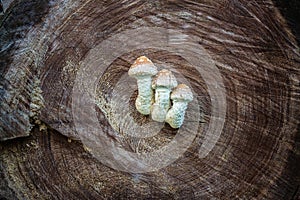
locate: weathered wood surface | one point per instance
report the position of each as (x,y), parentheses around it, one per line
(43,45)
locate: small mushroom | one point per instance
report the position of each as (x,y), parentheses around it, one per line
(143,70)
(180,96)
(163,83)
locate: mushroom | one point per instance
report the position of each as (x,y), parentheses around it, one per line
(143,70)
(163,83)
(180,96)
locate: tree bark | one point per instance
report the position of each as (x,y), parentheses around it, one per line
(46,44)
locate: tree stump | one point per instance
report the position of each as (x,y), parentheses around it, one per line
(69,128)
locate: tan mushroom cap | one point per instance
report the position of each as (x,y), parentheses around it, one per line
(142,66)
(182,92)
(164,78)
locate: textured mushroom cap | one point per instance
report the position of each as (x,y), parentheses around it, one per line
(142,66)
(164,78)
(182,92)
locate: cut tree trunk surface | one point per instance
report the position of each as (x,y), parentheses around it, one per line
(240,58)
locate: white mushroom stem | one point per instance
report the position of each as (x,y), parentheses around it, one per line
(175,115)
(161,105)
(145,93)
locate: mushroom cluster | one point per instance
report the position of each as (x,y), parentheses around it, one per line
(166,89)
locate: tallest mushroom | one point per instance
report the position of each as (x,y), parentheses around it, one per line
(143,70)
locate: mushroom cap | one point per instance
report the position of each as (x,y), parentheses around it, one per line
(182,92)
(164,78)
(142,66)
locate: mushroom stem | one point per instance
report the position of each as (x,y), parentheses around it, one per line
(175,115)
(145,93)
(161,105)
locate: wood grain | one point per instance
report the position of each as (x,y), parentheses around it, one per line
(43,46)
